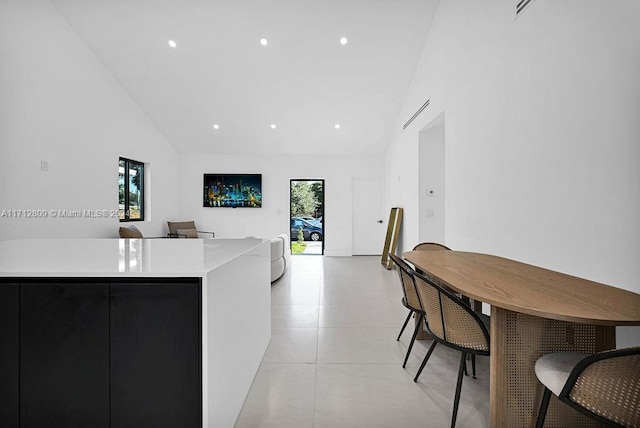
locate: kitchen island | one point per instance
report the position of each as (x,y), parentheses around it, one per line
(131,332)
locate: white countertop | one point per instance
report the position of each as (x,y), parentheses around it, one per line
(118,257)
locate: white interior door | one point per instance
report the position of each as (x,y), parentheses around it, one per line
(368,225)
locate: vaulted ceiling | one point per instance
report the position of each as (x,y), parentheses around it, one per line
(303,81)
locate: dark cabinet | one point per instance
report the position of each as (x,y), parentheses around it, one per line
(100,353)
(9,354)
(64,354)
(156,355)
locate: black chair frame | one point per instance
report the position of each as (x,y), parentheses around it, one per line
(403,266)
(181,235)
(464,351)
(571,381)
(435,244)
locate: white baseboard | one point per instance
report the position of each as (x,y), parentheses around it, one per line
(337,253)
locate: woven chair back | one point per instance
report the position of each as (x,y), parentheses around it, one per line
(409,289)
(406,281)
(430,246)
(431,305)
(610,388)
(449,319)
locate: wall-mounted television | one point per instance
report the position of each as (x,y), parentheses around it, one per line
(232,190)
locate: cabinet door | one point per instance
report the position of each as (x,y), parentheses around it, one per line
(9,354)
(64,361)
(156,375)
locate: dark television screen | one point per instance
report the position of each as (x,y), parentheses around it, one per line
(233,190)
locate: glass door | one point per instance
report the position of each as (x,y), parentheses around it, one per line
(306,217)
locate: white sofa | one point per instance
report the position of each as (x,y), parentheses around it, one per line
(280,256)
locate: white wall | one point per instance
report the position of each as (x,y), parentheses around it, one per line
(273,218)
(542,134)
(431,184)
(58,103)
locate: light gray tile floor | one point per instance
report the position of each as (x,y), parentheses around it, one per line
(334,361)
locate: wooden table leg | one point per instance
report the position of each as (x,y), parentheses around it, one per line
(497,362)
(517,341)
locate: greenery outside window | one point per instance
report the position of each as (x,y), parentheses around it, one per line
(131,190)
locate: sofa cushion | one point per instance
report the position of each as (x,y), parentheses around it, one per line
(277,248)
(277,269)
(175,225)
(280,256)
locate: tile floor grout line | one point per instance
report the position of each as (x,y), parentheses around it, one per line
(315,374)
(315,377)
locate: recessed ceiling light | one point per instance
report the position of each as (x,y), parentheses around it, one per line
(264,42)
(343,40)
(337,126)
(216,126)
(172,43)
(273,126)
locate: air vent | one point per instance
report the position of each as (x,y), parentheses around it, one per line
(415,115)
(521,5)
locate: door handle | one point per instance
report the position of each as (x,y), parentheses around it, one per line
(379,221)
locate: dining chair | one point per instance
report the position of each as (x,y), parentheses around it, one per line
(409,301)
(451,322)
(185,229)
(435,246)
(430,246)
(604,386)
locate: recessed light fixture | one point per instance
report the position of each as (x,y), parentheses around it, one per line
(172,43)
(337,126)
(264,42)
(273,126)
(343,40)
(216,126)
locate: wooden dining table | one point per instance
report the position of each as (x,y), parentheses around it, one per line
(534,311)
